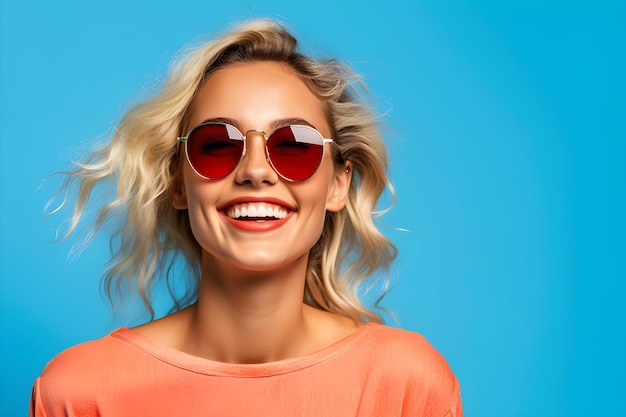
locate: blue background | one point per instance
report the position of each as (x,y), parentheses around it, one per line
(507,138)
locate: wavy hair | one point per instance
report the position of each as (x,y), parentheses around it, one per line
(141,161)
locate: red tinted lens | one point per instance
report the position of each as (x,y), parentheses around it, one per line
(295,151)
(214,150)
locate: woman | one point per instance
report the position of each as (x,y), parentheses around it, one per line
(261,167)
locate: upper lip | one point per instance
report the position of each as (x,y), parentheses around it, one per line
(250,199)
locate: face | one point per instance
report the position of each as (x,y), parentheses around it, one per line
(253,219)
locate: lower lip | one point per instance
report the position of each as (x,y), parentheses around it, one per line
(257,226)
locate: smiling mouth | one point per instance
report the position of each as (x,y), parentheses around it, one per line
(256,211)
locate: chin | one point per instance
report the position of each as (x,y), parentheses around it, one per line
(263,263)
(257,261)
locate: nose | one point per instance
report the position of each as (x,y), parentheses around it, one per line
(254,168)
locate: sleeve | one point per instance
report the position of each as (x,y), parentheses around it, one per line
(431,388)
(36,404)
(438,397)
(443,388)
(61,388)
(456,410)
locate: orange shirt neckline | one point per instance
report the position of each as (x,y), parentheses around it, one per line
(200,365)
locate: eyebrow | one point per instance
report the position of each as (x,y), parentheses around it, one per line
(276,124)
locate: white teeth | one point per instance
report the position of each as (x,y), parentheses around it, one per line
(256,210)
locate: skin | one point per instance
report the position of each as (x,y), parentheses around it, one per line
(250,307)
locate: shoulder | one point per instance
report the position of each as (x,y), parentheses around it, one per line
(407,359)
(403,345)
(82,367)
(83,355)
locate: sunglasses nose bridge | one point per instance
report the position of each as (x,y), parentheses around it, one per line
(255,165)
(262,133)
(254,130)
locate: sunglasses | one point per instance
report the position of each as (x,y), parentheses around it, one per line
(215,149)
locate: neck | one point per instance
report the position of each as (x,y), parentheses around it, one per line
(249,317)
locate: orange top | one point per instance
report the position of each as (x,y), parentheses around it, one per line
(376,371)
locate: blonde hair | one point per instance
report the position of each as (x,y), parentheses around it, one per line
(142,162)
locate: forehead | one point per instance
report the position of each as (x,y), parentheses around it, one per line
(257,94)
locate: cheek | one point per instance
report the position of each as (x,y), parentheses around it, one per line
(313,199)
(201,201)
(200,224)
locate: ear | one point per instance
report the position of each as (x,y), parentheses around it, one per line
(339,187)
(178,193)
